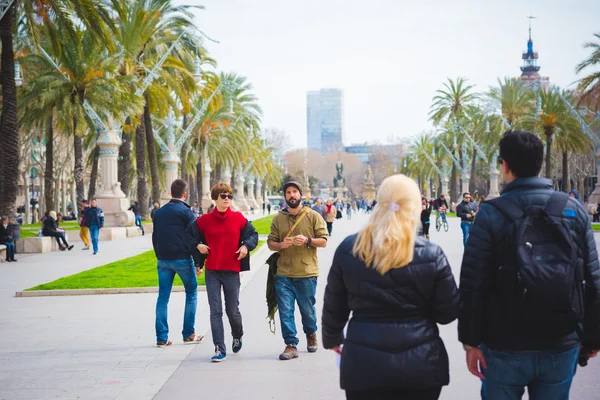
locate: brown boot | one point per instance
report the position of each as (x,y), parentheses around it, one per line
(290,352)
(311,343)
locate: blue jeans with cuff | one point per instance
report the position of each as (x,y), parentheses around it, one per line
(292,290)
(546,374)
(466,229)
(166,273)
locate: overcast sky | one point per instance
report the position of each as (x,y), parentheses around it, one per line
(389,56)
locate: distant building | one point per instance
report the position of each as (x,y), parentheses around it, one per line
(366,152)
(325,120)
(530,69)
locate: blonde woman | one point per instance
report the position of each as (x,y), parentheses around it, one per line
(50,228)
(398,287)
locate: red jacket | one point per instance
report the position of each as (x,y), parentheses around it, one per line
(222,233)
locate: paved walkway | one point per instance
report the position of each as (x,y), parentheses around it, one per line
(101,347)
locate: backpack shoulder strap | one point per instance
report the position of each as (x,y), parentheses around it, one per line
(557,203)
(507,207)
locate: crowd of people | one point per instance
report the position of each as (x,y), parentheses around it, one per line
(528,301)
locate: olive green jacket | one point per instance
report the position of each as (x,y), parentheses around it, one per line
(297,261)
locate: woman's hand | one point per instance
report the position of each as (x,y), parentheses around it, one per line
(242,251)
(203,249)
(337,349)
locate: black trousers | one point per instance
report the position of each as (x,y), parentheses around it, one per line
(329,227)
(426,227)
(395,394)
(59,236)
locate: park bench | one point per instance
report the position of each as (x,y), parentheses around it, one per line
(38,244)
(2,252)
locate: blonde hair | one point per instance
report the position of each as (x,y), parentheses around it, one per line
(388,240)
(52,214)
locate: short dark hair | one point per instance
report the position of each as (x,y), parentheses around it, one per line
(84,201)
(466,194)
(92,199)
(178,188)
(523,152)
(219,188)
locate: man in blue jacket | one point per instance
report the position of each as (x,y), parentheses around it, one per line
(94,220)
(173,244)
(521,325)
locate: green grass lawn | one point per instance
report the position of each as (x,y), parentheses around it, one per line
(596,227)
(136,271)
(31,230)
(263,225)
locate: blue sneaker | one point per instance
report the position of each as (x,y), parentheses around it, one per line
(237,345)
(219,355)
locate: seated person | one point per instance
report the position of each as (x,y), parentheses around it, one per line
(50,228)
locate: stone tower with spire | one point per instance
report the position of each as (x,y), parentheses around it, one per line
(530,69)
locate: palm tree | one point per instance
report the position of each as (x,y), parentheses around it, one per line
(449,106)
(515,100)
(57,14)
(554,117)
(146,28)
(590,84)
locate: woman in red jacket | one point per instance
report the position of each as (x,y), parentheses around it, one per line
(222,230)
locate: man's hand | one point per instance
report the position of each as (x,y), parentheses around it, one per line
(469,215)
(476,362)
(203,249)
(198,270)
(287,242)
(300,240)
(242,251)
(337,349)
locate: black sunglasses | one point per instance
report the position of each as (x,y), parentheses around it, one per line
(500,160)
(226,196)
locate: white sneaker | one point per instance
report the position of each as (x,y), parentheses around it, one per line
(86,247)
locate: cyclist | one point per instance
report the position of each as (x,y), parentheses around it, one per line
(466,212)
(440,205)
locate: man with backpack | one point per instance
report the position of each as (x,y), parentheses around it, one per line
(529,283)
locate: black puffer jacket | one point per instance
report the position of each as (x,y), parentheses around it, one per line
(484,319)
(392,338)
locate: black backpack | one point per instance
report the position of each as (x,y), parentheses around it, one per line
(540,270)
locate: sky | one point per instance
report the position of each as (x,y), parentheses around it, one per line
(389,56)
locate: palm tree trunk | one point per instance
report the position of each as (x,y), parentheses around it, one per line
(199,180)
(152,156)
(78,155)
(124,163)
(9,139)
(473,184)
(453,184)
(140,165)
(549,138)
(49,170)
(218,172)
(94,173)
(565,172)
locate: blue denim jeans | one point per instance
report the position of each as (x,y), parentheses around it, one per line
(289,291)
(94,233)
(546,374)
(166,273)
(138,222)
(10,250)
(230,282)
(466,229)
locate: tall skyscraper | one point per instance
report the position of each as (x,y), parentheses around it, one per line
(325,120)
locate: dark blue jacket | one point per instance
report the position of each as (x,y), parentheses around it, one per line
(94,216)
(171,238)
(485,319)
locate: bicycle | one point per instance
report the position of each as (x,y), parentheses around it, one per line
(441,220)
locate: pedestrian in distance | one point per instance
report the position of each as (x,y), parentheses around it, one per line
(330,215)
(173,243)
(296,233)
(84,231)
(135,208)
(50,228)
(318,207)
(226,239)
(94,220)
(398,287)
(466,212)
(196,209)
(529,283)
(425,216)
(269,208)
(7,239)
(153,211)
